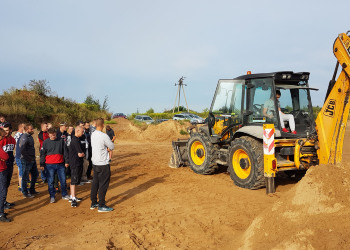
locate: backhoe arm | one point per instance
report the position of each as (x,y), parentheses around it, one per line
(332,119)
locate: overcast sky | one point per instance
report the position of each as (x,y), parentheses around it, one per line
(134,51)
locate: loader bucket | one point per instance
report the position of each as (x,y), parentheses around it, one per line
(179,157)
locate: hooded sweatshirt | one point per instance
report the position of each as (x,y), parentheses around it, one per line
(3,158)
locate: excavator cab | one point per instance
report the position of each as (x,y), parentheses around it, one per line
(251,101)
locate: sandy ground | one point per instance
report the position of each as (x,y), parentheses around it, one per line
(157,207)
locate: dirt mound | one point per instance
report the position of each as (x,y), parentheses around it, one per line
(125,130)
(165,131)
(313,214)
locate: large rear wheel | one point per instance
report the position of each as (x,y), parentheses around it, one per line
(202,154)
(246,163)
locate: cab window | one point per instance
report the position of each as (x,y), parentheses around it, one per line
(261,102)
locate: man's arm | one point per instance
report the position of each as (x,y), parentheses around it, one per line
(77,147)
(65,154)
(108,143)
(265,111)
(43,156)
(3,155)
(114,137)
(22,142)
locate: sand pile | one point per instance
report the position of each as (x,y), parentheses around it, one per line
(312,215)
(125,130)
(165,131)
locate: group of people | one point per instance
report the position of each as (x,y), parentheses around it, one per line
(67,151)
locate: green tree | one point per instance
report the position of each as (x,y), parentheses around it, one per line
(90,100)
(150,111)
(92,103)
(41,87)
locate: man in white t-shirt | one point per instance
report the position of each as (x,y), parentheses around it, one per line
(100,143)
(268,111)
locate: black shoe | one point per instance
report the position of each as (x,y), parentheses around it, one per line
(35,192)
(9,204)
(105,209)
(93,206)
(74,203)
(3,218)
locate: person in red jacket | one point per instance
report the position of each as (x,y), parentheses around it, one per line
(42,136)
(8,144)
(53,156)
(3,179)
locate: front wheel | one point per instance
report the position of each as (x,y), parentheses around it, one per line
(202,154)
(246,163)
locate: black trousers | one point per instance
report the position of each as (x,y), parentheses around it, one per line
(88,172)
(9,172)
(100,183)
(3,190)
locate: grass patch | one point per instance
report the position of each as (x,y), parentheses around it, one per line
(141,125)
(183,132)
(110,122)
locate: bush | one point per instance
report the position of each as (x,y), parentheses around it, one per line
(183,132)
(22,105)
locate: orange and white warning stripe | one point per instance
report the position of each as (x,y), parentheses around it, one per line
(269,140)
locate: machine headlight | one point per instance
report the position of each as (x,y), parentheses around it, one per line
(286,76)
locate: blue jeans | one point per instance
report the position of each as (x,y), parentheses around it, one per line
(19,165)
(43,174)
(60,169)
(3,190)
(29,167)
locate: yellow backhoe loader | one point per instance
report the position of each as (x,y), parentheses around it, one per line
(243,106)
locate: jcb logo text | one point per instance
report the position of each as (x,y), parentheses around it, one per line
(330,109)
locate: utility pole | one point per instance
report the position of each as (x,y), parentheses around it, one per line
(180,85)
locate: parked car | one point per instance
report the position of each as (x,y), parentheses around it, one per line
(195,118)
(119,115)
(161,120)
(144,118)
(181,117)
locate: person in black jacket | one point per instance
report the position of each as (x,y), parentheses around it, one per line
(53,156)
(76,160)
(62,131)
(26,145)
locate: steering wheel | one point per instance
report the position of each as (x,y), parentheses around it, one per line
(257,108)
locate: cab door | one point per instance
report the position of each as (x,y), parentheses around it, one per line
(227,106)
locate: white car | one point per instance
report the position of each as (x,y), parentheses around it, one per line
(187,116)
(144,118)
(196,118)
(181,117)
